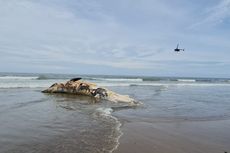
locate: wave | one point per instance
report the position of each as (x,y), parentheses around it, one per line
(166,84)
(53,77)
(45,80)
(104,111)
(115,80)
(119,79)
(8,86)
(106,114)
(180,84)
(153,79)
(46,84)
(43,77)
(18,77)
(186,80)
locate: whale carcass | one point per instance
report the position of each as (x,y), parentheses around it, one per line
(79,87)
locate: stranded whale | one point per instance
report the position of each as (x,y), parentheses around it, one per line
(79,87)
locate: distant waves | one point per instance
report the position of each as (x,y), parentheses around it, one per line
(18,78)
(45,80)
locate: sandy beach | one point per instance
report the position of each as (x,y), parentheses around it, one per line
(177,137)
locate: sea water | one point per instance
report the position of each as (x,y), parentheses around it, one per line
(32,121)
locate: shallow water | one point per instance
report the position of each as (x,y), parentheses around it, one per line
(35,122)
(32,121)
(194,103)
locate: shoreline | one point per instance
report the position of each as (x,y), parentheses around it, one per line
(179,137)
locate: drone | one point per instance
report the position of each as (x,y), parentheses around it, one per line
(178,49)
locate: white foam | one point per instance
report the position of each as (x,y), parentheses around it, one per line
(161,84)
(18,78)
(24,85)
(186,80)
(32,82)
(200,84)
(27,83)
(103,84)
(107,113)
(118,128)
(120,79)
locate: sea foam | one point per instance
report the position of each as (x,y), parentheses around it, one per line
(106,113)
(18,78)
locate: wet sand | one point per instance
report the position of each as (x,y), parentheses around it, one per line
(175,137)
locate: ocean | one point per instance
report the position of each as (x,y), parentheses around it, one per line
(32,121)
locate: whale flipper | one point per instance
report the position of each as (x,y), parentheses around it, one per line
(75,79)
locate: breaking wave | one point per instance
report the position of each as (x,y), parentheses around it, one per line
(124,80)
(18,77)
(47,84)
(24,85)
(106,114)
(114,79)
(45,80)
(186,80)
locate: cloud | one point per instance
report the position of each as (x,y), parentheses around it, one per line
(29,34)
(133,36)
(214,15)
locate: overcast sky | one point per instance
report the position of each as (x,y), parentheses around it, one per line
(121,37)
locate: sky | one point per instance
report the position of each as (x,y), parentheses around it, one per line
(116,37)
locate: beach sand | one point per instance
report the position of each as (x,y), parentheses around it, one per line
(175,137)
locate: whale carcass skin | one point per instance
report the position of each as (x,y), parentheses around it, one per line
(79,87)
